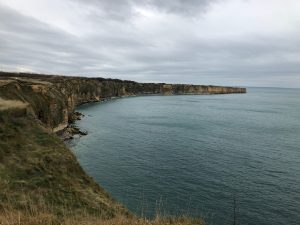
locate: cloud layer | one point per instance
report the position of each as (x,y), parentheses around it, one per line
(228,42)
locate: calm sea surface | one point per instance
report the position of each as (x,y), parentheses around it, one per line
(195,154)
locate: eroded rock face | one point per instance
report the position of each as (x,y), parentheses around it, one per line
(52,99)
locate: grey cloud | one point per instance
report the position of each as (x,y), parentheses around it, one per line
(118,49)
(26,41)
(124,9)
(191,7)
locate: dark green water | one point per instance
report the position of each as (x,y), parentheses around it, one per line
(195,154)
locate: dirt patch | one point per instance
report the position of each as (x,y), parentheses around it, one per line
(11,104)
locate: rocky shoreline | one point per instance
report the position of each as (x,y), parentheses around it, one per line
(71,131)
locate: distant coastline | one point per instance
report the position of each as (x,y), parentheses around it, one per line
(52,99)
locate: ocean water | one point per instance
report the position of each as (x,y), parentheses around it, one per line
(195,154)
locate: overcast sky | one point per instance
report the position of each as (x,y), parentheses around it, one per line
(221,42)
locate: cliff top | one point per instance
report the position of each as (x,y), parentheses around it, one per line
(37,77)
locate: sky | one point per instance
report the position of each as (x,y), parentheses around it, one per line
(218,42)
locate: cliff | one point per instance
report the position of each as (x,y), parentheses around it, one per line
(41,181)
(52,99)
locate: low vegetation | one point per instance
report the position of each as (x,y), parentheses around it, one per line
(42,216)
(11,104)
(35,165)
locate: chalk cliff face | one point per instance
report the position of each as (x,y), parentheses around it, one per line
(52,99)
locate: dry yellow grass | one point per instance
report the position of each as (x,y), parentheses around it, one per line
(19,218)
(34,81)
(5,82)
(11,104)
(126,221)
(41,213)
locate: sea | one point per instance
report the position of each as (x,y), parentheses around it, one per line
(230,159)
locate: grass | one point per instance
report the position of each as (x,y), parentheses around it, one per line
(43,214)
(17,218)
(48,219)
(35,164)
(11,104)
